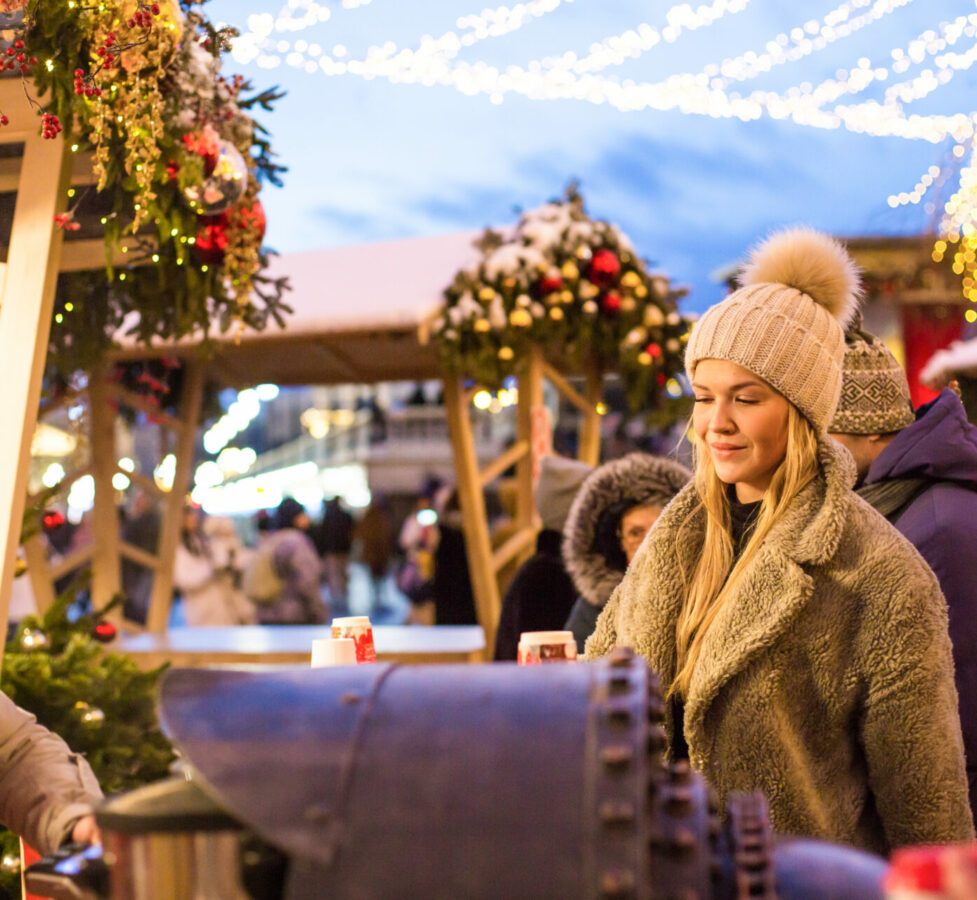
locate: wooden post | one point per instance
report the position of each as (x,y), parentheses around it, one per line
(530,399)
(106,578)
(589,449)
(26,306)
(162,595)
(478,546)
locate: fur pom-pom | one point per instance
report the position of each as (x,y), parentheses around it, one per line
(811,262)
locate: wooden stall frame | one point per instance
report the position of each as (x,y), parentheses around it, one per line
(484,563)
(27,288)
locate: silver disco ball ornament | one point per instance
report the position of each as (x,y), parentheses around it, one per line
(223,187)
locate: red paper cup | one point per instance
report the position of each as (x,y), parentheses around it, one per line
(359,629)
(546,646)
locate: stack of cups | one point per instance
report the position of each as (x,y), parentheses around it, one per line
(333,652)
(546,646)
(358,629)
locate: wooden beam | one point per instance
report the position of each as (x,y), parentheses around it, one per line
(161,597)
(106,578)
(81,168)
(80,256)
(144,481)
(137,555)
(513,547)
(39,572)
(502,462)
(478,545)
(564,387)
(530,399)
(588,450)
(70,562)
(139,403)
(26,307)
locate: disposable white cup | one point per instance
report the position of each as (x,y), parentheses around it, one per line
(546,646)
(333,652)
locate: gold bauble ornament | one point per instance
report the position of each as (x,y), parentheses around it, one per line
(520,318)
(630,279)
(523,301)
(673,346)
(509,283)
(644,358)
(641,291)
(482,325)
(590,308)
(628,304)
(653,316)
(566,297)
(556,313)
(584,252)
(505,353)
(569,270)
(486,294)
(588,290)
(636,336)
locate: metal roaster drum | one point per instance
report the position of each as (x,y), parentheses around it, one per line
(474,781)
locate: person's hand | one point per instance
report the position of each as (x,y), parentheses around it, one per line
(959,865)
(86,831)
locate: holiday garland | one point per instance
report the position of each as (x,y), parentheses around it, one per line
(573,286)
(177,158)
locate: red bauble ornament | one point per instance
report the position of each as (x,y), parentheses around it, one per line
(653,350)
(212,235)
(604,268)
(211,239)
(549,284)
(104,632)
(611,303)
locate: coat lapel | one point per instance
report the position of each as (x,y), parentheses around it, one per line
(774,588)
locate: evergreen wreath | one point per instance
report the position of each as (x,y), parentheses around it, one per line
(573,286)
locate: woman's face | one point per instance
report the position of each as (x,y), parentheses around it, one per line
(635,524)
(741,423)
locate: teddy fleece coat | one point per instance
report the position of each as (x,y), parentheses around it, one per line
(826,681)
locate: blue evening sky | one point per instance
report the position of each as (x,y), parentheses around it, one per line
(374,160)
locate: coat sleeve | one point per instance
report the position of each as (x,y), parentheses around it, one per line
(604,638)
(911,727)
(44,787)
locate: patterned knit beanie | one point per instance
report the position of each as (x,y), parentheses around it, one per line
(875,392)
(787,321)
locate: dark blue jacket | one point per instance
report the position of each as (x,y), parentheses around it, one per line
(941,522)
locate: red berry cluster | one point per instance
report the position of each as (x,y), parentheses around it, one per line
(143,17)
(17,58)
(50,125)
(4,120)
(86,86)
(109,52)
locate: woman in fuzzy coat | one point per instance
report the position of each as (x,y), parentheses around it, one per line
(803,639)
(608,520)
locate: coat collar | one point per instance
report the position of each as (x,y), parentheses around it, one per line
(770,593)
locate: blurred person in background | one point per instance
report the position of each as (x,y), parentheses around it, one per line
(334,540)
(207,572)
(282,579)
(374,536)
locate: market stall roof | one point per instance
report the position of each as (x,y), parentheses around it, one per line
(357,313)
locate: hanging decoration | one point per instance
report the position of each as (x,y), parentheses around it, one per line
(139,86)
(574,286)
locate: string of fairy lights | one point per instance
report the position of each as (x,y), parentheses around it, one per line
(908,73)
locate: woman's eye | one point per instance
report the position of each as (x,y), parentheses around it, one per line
(749,401)
(703,399)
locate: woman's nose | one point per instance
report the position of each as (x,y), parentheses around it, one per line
(721,419)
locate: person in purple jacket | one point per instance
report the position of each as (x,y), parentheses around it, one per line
(920,471)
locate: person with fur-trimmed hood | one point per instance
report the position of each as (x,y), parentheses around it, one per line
(802,638)
(610,516)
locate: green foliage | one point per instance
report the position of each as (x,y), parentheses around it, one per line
(74,674)
(573,286)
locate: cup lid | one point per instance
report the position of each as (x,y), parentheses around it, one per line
(546,637)
(352,620)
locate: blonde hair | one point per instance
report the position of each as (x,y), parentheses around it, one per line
(715,574)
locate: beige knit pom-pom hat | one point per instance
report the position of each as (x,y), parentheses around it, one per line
(786,323)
